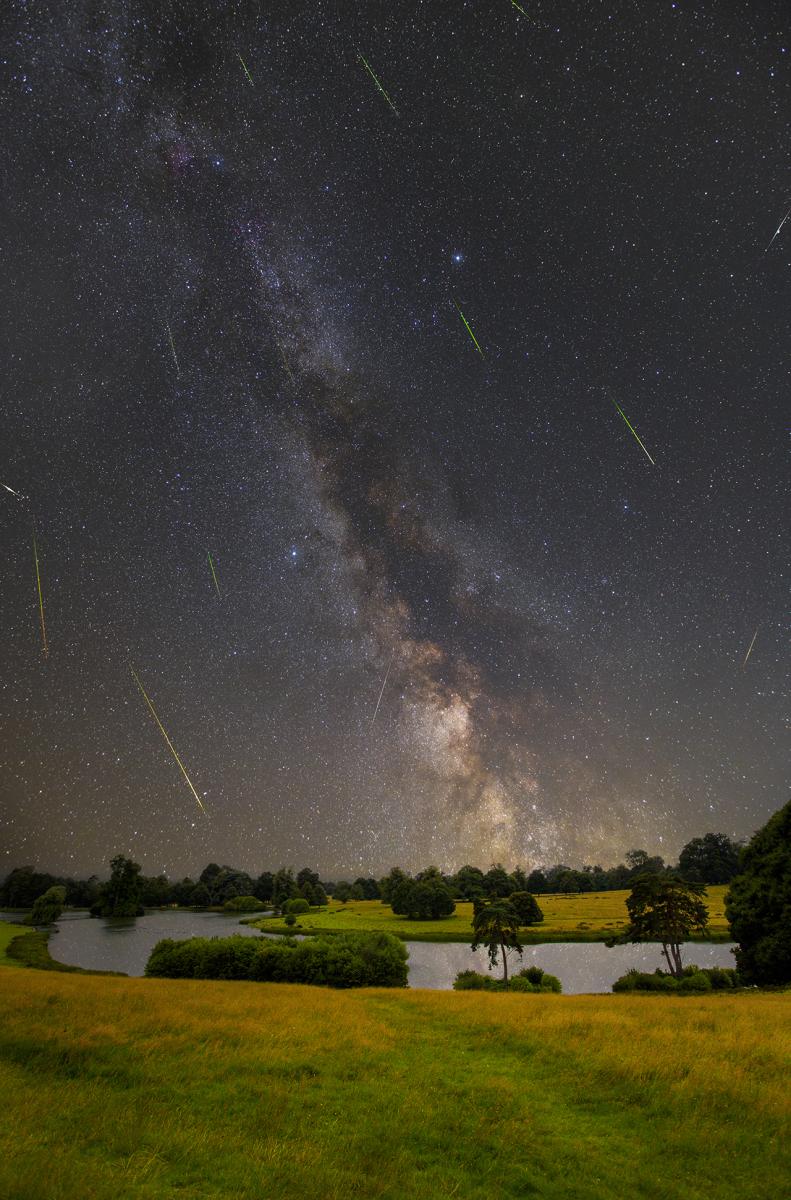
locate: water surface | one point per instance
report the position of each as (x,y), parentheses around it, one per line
(124,945)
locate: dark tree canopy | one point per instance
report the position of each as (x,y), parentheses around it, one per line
(423,899)
(120,896)
(666,909)
(526,908)
(496,926)
(758,904)
(48,907)
(713,858)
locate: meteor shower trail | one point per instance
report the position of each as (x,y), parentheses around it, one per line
(378,84)
(173,349)
(634,432)
(213,572)
(779,227)
(467,325)
(171,747)
(382,691)
(749,649)
(44,646)
(247,73)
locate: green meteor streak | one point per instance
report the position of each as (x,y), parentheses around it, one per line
(44,646)
(521,10)
(634,431)
(378,84)
(173,348)
(213,572)
(247,73)
(171,747)
(472,335)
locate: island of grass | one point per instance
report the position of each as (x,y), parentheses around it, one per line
(580,917)
(153,1089)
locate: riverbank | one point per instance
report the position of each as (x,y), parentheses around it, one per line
(585,917)
(156,1089)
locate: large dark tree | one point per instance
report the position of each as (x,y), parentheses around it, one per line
(666,909)
(48,907)
(496,926)
(497,882)
(758,904)
(423,899)
(120,896)
(526,908)
(468,882)
(713,858)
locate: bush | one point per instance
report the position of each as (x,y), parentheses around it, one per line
(290,920)
(474,981)
(694,979)
(540,980)
(297,906)
(531,979)
(342,960)
(243,904)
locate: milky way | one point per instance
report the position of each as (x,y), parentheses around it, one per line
(272,470)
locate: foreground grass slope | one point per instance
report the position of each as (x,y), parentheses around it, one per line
(163,1088)
(573,918)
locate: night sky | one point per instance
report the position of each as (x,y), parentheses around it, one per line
(231,325)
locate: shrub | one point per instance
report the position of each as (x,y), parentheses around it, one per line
(540,980)
(243,904)
(290,919)
(343,960)
(693,979)
(474,981)
(696,981)
(519,984)
(531,979)
(297,906)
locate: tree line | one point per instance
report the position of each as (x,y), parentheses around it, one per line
(711,859)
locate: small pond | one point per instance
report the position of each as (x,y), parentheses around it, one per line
(124,945)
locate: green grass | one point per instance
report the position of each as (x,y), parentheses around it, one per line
(158,1089)
(8,933)
(591,917)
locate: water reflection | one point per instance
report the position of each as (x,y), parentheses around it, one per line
(124,944)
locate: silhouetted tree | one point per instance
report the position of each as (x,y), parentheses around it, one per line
(666,909)
(714,858)
(48,907)
(496,926)
(758,903)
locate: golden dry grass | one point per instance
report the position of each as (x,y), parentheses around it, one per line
(163,1088)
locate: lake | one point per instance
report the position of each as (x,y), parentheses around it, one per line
(124,945)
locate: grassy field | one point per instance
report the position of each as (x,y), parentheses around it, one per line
(157,1089)
(7,934)
(574,918)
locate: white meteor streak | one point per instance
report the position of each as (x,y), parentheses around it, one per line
(18,495)
(382,692)
(750,650)
(779,227)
